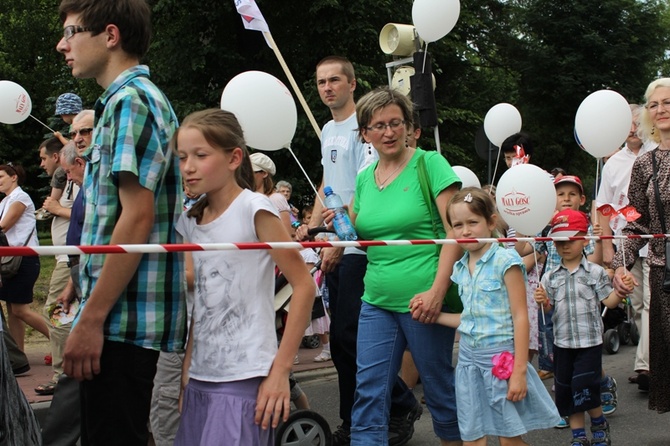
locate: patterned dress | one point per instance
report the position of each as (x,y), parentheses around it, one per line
(642,197)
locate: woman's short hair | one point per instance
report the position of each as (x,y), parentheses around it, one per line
(284,183)
(646,129)
(379,98)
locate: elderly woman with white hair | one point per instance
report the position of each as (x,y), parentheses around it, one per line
(649,194)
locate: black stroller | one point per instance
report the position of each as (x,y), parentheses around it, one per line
(620,328)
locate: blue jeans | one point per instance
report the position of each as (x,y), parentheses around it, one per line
(345,286)
(545,357)
(382,338)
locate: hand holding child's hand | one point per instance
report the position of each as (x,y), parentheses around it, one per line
(623,281)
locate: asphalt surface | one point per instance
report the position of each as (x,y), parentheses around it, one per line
(631,424)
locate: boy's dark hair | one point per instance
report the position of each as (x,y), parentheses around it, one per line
(51,145)
(517,139)
(132,17)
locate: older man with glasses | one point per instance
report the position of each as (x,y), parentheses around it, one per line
(81,131)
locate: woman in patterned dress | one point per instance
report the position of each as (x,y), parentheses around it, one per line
(655,126)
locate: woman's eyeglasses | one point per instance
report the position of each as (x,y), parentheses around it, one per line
(381,127)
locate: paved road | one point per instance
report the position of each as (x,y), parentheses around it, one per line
(631,424)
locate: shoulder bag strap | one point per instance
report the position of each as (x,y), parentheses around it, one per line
(424,182)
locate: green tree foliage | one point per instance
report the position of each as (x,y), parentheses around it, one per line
(542,56)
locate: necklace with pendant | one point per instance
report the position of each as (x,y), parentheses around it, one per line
(381,185)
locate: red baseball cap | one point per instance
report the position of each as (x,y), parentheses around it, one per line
(568,223)
(570,179)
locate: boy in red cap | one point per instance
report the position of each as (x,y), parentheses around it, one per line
(575,289)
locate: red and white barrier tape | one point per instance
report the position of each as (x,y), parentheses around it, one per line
(147,248)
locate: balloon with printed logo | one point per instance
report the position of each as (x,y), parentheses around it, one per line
(264,107)
(502,120)
(468,177)
(526,198)
(602,122)
(15,103)
(433,19)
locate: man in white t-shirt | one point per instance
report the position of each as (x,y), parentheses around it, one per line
(343,156)
(613,190)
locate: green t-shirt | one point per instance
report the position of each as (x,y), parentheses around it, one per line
(399,212)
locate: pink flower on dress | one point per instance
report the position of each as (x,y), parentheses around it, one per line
(503,364)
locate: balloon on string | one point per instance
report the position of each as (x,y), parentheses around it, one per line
(602,122)
(502,120)
(264,107)
(433,19)
(526,198)
(468,177)
(15,103)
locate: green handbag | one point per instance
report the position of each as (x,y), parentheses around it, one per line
(452,299)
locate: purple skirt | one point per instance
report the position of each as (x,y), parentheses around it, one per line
(221,414)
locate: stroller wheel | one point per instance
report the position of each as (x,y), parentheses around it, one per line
(311,341)
(624,332)
(303,428)
(634,334)
(611,341)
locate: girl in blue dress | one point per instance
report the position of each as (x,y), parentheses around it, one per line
(497,391)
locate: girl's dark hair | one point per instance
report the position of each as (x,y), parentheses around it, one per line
(221,129)
(479,202)
(14,169)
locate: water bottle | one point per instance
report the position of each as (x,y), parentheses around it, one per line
(345,230)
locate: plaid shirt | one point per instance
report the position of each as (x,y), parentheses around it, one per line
(134,123)
(575,296)
(486,319)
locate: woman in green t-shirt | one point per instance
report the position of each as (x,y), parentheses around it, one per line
(389,204)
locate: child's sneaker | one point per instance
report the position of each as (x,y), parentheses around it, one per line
(601,435)
(580,441)
(608,395)
(563,423)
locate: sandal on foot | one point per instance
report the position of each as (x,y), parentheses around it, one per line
(46,389)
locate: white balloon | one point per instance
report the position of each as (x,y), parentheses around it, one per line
(468,177)
(526,198)
(433,19)
(603,122)
(501,121)
(15,103)
(264,107)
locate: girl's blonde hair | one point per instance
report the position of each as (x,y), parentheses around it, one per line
(222,130)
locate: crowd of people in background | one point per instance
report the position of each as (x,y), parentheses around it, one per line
(185,344)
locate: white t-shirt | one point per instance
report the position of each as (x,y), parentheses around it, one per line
(17,234)
(233,315)
(343,156)
(613,189)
